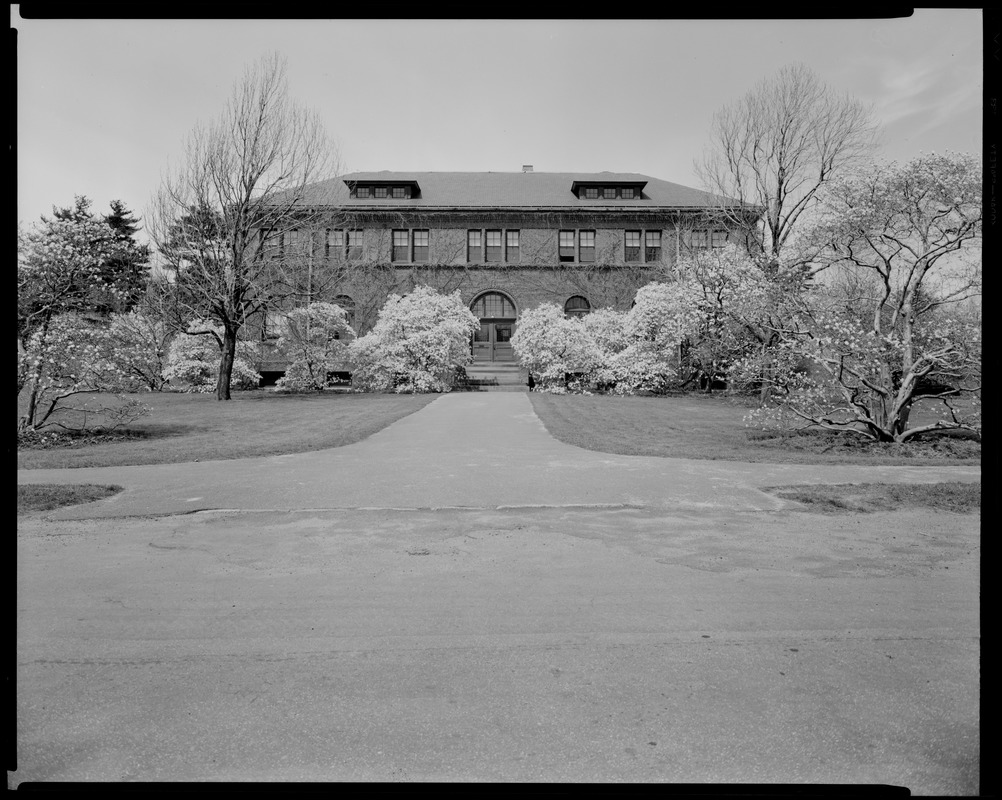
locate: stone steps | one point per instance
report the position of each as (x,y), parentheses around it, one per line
(496,377)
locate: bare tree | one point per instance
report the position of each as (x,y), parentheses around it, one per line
(778,145)
(245,183)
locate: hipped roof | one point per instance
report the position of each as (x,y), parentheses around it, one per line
(543,190)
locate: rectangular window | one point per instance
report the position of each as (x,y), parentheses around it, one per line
(272,324)
(401,251)
(271,244)
(380,191)
(697,239)
(627,192)
(566,245)
(587,243)
(420,245)
(362,191)
(609,193)
(401,191)
(652,242)
(335,243)
(353,244)
(632,252)
(718,238)
(493,246)
(512,247)
(591,192)
(474,246)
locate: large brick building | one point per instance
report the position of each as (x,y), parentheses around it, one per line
(507,241)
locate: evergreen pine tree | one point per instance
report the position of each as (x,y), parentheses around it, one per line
(130,269)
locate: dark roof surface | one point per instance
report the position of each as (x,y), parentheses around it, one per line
(511,190)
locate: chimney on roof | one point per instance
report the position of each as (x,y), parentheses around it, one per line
(527,168)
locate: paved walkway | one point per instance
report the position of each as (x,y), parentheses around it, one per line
(477,450)
(682,641)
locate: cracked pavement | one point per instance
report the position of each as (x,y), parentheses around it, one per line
(462,598)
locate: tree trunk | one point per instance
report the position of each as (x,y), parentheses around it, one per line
(901,423)
(226,362)
(28,420)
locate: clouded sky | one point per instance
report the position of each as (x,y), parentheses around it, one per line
(104,104)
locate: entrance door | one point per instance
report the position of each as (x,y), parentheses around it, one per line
(497,324)
(502,341)
(493,341)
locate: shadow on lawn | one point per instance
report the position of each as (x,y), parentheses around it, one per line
(50,438)
(950,444)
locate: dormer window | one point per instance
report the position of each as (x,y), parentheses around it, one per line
(608,190)
(398,190)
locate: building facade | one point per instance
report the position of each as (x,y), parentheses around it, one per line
(506,241)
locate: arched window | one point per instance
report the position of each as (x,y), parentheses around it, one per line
(348,305)
(493,305)
(577,306)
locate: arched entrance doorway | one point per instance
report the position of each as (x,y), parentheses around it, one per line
(497,324)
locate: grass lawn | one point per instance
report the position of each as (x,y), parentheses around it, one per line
(197,427)
(844,498)
(712,427)
(47,496)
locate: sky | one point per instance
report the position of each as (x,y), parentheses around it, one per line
(103,106)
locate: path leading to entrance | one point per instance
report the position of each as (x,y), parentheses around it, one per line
(476,450)
(461,597)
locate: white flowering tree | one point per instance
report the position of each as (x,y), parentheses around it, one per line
(913,231)
(61,271)
(746,303)
(138,345)
(193,359)
(556,349)
(627,352)
(416,344)
(64,360)
(662,317)
(60,268)
(316,340)
(605,330)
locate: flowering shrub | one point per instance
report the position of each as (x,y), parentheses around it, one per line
(138,345)
(65,357)
(416,344)
(193,359)
(744,302)
(552,346)
(316,340)
(626,352)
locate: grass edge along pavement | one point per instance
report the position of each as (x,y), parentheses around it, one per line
(711,427)
(197,427)
(34,497)
(845,498)
(866,498)
(194,427)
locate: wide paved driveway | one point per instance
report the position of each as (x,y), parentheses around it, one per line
(460,597)
(471,450)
